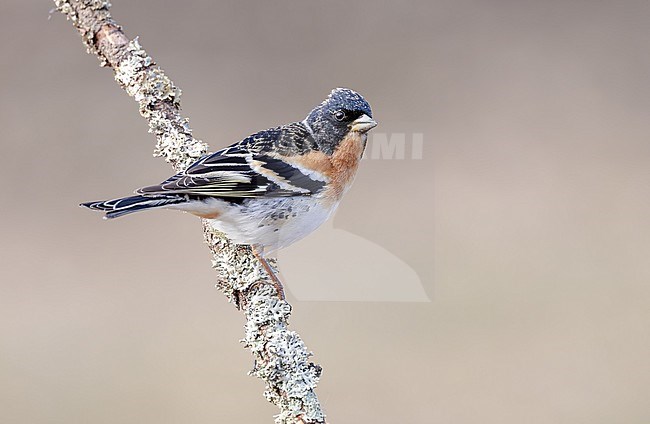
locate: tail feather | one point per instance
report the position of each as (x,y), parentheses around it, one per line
(117,207)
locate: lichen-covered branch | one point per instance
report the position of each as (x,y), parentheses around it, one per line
(281,358)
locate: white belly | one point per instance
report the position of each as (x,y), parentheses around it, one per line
(272,222)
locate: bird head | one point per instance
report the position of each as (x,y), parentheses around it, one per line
(343,111)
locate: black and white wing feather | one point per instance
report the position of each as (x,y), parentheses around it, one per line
(251,168)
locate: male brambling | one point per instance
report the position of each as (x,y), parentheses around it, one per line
(273,187)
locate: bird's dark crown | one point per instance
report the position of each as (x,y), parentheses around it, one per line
(329,121)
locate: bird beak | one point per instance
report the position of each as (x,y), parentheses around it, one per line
(363,124)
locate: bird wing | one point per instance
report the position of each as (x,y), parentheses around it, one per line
(251,168)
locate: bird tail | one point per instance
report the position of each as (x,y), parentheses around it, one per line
(126,205)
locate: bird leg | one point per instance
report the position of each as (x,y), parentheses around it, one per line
(259,254)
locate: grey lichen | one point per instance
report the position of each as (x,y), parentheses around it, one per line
(150,87)
(137,73)
(281,357)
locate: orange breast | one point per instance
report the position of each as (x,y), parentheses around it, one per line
(339,168)
(345,162)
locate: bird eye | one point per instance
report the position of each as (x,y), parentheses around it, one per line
(339,115)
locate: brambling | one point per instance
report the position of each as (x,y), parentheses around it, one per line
(273,187)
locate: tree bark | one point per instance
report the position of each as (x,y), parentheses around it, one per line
(281,358)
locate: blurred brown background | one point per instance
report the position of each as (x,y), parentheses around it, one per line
(527,221)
